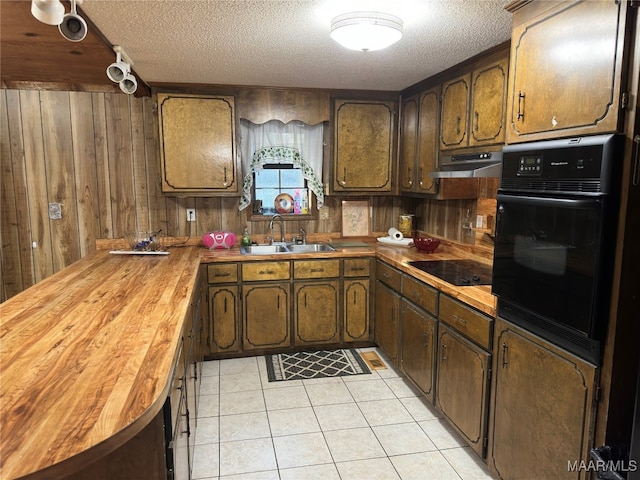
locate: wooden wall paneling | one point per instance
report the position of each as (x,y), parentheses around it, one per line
(120,158)
(86,185)
(157,201)
(105,214)
(207,215)
(231,218)
(36,180)
(14,280)
(141,191)
(58,156)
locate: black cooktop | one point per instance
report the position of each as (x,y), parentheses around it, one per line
(457,272)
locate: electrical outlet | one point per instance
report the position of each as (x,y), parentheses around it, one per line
(191,214)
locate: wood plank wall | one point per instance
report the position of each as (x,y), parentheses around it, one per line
(97,155)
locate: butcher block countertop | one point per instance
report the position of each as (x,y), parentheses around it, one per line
(399,256)
(87,356)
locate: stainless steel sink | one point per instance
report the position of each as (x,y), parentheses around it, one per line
(263,249)
(286,248)
(310,248)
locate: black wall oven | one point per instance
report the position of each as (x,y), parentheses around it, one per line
(555,239)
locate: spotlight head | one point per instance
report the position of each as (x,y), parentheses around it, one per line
(129,84)
(118,70)
(73,27)
(50,12)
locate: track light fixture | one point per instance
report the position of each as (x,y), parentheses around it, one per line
(120,71)
(50,12)
(73,26)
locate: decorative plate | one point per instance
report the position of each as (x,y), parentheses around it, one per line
(284,203)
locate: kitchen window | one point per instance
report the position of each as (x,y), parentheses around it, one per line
(282,168)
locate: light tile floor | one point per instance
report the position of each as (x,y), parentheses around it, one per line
(361,427)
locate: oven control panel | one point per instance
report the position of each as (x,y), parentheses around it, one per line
(530,165)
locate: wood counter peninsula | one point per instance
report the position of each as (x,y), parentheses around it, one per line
(87,358)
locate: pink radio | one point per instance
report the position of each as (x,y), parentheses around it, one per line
(219,239)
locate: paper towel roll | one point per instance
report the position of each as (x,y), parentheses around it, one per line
(395,234)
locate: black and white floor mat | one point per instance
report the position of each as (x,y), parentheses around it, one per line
(322,363)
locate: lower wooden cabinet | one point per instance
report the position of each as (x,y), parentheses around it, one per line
(224,312)
(387,320)
(266,319)
(418,342)
(355,310)
(463,386)
(541,409)
(316,313)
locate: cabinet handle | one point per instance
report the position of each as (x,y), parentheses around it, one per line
(278,302)
(317,270)
(357,269)
(444,352)
(463,321)
(505,349)
(420,177)
(225,183)
(477,115)
(355,298)
(305,300)
(635,179)
(222,275)
(343,182)
(416,294)
(458,120)
(425,339)
(266,272)
(520,106)
(225,304)
(409,177)
(386,275)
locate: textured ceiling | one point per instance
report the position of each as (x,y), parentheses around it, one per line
(286,42)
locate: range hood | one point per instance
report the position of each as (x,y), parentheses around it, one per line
(468,165)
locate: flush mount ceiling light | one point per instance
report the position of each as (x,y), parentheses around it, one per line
(366,31)
(120,71)
(50,12)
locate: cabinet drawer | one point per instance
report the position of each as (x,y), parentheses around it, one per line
(222,273)
(421,294)
(467,321)
(389,275)
(356,267)
(316,268)
(265,271)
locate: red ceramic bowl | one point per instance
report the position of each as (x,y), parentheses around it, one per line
(426,244)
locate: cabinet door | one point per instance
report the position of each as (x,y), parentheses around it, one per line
(489,96)
(356,310)
(363,146)
(197,144)
(266,316)
(315,312)
(541,412)
(418,347)
(224,328)
(427,157)
(387,319)
(566,66)
(453,120)
(408,133)
(463,385)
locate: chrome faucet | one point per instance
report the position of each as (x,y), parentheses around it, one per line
(304,236)
(277,216)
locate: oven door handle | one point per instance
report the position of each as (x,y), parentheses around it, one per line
(547,202)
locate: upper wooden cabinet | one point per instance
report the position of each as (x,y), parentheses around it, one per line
(260,105)
(197,145)
(419,145)
(363,146)
(473,107)
(566,65)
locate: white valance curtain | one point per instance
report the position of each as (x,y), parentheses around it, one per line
(276,142)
